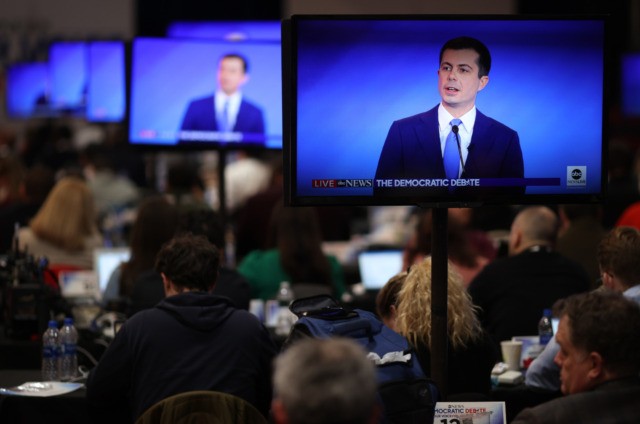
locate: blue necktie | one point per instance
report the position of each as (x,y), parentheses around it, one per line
(451,155)
(223,125)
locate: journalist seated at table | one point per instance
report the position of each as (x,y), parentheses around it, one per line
(617,260)
(192,340)
(599,362)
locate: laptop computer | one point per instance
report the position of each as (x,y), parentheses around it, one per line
(79,285)
(106,260)
(378,266)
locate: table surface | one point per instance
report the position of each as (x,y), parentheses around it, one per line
(69,408)
(10,378)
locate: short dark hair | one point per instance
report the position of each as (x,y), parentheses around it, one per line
(245,63)
(463,43)
(608,323)
(618,254)
(189,261)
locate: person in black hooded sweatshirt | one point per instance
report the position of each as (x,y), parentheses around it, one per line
(192,340)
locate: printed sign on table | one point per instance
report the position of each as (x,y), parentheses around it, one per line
(470,413)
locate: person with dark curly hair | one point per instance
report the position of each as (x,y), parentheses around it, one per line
(192,340)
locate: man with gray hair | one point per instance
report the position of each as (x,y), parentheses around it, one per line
(324,381)
(599,360)
(513,292)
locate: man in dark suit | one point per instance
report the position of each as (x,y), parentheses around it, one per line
(226,115)
(599,362)
(513,292)
(418,147)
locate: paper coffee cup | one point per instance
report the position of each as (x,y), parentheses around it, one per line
(511,352)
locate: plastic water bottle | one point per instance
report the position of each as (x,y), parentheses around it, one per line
(68,345)
(51,353)
(545,328)
(285,295)
(286,318)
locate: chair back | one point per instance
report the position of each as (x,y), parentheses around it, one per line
(202,407)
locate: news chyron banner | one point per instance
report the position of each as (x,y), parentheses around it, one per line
(354,183)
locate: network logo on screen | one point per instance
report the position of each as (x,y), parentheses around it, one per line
(349,183)
(576,176)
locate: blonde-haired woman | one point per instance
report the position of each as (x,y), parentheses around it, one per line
(471,355)
(64,229)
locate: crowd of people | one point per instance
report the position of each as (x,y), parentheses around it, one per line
(193,270)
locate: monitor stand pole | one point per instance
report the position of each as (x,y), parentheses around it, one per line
(439,277)
(222,190)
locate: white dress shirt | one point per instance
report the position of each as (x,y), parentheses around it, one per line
(235,99)
(465,130)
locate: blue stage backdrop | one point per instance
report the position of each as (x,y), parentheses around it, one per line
(68,75)
(26,86)
(106,100)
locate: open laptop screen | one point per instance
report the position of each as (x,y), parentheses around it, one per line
(554,323)
(106,260)
(378,266)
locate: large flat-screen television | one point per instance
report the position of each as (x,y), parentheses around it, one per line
(27,90)
(205,93)
(83,79)
(68,76)
(369,103)
(106,81)
(226,30)
(630,85)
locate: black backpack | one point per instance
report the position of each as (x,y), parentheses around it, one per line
(406,394)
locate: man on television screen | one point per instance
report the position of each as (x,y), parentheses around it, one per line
(454,140)
(225,116)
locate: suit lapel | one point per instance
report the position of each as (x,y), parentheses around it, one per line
(480,145)
(242,111)
(214,114)
(428,136)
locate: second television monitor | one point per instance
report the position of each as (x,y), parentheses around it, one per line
(204,93)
